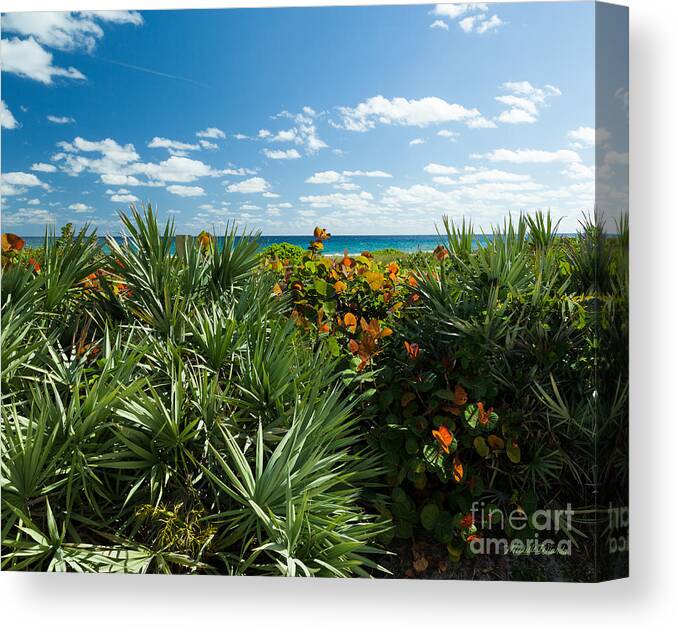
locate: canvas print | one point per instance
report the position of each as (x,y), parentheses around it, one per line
(317,292)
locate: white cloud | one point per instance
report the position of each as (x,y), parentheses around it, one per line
(116,17)
(519,102)
(34,202)
(211,132)
(354,201)
(492,175)
(578,171)
(468,23)
(589,136)
(440,170)
(174,147)
(304,133)
(482,123)
(417,141)
(175,169)
(205,144)
(285,136)
(524,101)
(65,30)
(516,115)
(15,182)
(332,177)
(43,167)
(401,111)
(476,19)
(251,185)
(185,191)
(23,179)
(7,120)
(446,133)
(269,194)
(29,216)
(118,179)
(324,177)
(454,11)
(490,24)
(80,207)
(525,156)
(282,154)
(28,59)
(124,198)
(445,180)
(439,24)
(60,120)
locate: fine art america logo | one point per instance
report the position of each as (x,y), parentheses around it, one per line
(544,532)
(553,523)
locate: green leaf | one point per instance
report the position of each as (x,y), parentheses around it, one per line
(481,446)
(429,516)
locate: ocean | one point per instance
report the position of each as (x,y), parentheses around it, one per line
(337,244)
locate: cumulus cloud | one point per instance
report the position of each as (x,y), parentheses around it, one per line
(492,175)
(446,133)
(43,167)
(62,30)
(66,30)
(119,164)
(251,185)
(417,141)
(526,156)
(60,120)
(185,191)
(524,101)
(7,120)
(282,154)
(335,177)
(124,198)
(211,132)
(439,24)
(402,111)
(174,147)
(28,59)
(440,170)
(303,133)
(16,182)
(589,136)
(578,171)
(454,11)
(80,207)
(471,16)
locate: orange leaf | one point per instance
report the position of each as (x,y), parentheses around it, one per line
(458,469)
(412,350)
(444,438)
(374,279)
(350,321)
(12,242)
(460,395)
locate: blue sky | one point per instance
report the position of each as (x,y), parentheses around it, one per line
(366,120)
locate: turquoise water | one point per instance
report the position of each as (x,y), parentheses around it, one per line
(336,244)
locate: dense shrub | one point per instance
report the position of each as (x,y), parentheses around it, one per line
(284,252)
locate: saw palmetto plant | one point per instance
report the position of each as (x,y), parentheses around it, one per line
(162,414)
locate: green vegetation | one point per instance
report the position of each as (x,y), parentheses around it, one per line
(289,413)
